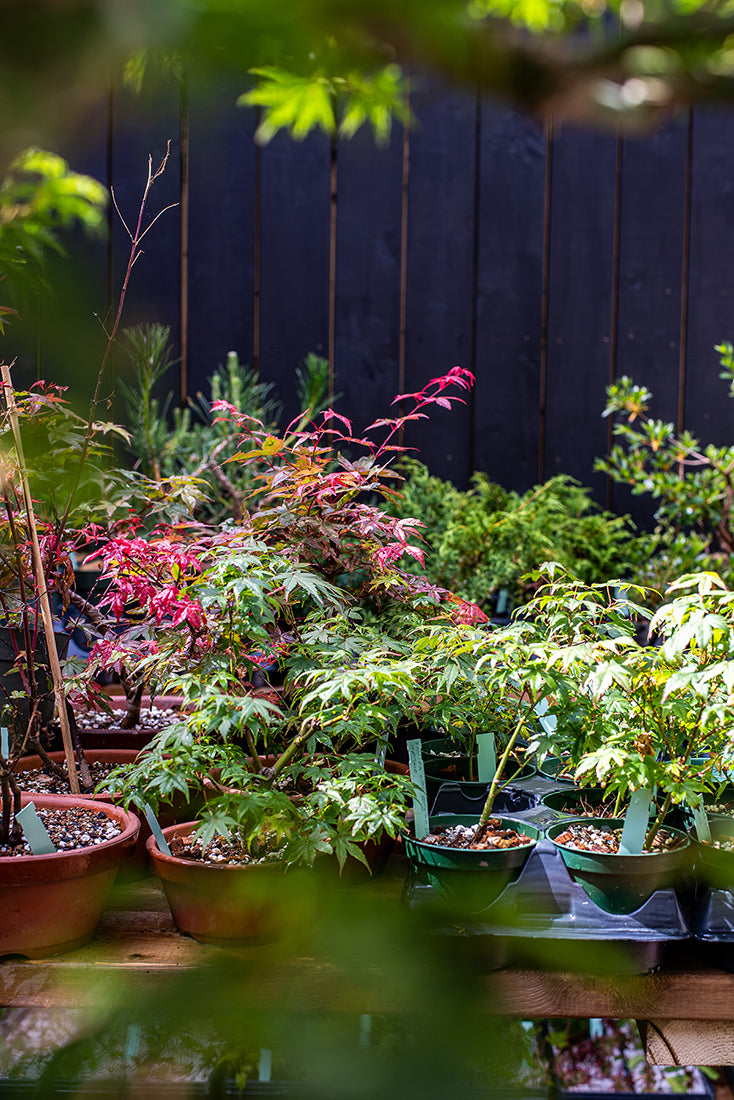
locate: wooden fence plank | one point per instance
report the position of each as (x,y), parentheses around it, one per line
(220,231)
(509,297)
(368,275)
(651,239)
(440,257)
(294,215)
(708,413)
(580,297)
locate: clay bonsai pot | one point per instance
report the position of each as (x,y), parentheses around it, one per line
(179,809)
(114,737)
(51,904)
(218,903)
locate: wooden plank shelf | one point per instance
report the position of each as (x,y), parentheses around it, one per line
(690,1005)
(140,939)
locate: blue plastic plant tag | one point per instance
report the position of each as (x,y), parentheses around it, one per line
(157,831)
(636,821)
(265,1065)
(365,1030)
(503,598)
(701,825)
(547,721)
(132,1043)
(4,743)
(34,831)
(486,757)
(420,802)
(596,1029)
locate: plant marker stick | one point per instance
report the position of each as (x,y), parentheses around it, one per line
(548,723)
(701,825)
(34,831)
(636,821)
(4,743)
(420,802)
(156,831)
(596,1029)
(132,1043)
(48,624)
(365,1030)
(265,1065)
(486,757)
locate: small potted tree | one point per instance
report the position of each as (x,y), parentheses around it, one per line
(294,780)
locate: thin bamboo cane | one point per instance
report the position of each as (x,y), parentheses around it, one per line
(48,625)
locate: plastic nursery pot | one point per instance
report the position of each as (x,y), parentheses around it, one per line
(621,883)
(469,880)
(219,903)
(444,762)
(51,904)
(552,768)
(715,866)
(580,802)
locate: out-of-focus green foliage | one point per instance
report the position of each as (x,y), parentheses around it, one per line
(39,197)
(336,64)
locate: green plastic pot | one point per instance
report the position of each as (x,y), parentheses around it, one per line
(440,767)
(551,767)
(715,867)
(570,802)
(469,880)
(620,883)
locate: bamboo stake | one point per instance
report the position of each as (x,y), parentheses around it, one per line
(48,625)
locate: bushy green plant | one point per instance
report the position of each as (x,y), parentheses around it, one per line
(193,446)
(632,716)
(488,538)
(691,483)
(228,600)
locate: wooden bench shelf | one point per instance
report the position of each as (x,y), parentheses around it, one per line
(689,1003)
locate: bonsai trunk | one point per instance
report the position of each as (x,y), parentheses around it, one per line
(496,783)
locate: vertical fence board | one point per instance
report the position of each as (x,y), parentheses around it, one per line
(295,259)
(143,124)
(708,413)
(652,229)
(579,308)
(368,275)
(509,297)
(220,232)
(440,268)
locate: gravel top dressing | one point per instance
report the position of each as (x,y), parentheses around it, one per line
(70,827)
(219,851)
(465,836)
(36,779)
(605,841)
(152,718)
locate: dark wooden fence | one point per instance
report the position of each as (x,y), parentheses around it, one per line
(547,260)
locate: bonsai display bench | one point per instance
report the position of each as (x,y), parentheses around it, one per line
(688,1006)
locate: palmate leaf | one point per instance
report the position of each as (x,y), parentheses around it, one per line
(291,102)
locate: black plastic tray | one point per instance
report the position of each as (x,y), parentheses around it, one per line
(453,798)
(545,918)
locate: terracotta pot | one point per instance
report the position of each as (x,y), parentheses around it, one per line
(114,737)
(376,852)
(216,903)
(51,904)
(178,810)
